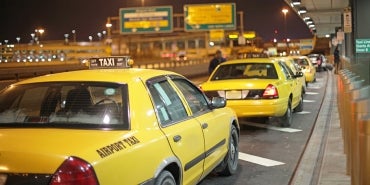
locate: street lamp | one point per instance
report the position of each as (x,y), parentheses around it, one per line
(18,39)
(109,27)
(285,11)
(39,32)
(99,36)
(74,35)
(66,38)
(33,38)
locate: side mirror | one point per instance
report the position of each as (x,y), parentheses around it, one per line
(218,102)
(299,74)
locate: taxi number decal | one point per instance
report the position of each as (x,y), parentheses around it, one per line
(117,146)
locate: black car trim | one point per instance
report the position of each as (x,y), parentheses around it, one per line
(204,155)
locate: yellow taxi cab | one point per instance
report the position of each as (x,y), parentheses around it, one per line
(308,68)
(296,70)
(114,126)
(257,87)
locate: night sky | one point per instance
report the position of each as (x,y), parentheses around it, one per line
(88,17)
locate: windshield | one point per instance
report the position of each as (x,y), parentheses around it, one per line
(245,71)
(64,103)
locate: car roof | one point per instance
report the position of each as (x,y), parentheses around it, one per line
(299,56)
(126,75)
(250,60)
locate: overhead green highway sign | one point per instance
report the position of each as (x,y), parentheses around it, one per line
(146,20)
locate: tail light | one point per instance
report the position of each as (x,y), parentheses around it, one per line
(271,92)
(74,171)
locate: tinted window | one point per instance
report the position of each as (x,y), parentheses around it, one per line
(245,71)
(194,97)
(65,103)
(167,102)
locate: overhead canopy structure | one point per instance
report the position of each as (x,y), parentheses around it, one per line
(321,16)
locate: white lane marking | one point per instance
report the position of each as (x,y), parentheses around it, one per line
(311,93)
(290,130)
(314,87)
(308,101)
(303,112)
(258,160)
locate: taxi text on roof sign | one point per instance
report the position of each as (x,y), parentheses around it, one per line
(111,62)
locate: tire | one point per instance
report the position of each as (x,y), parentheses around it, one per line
(304,89)
(286,119)
(165,178)
(299,108)
(229,165)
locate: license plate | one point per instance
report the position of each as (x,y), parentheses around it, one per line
(233,94)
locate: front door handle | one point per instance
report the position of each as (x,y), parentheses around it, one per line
(204,125)
(176,138)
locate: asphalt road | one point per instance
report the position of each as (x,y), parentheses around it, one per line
(270,154)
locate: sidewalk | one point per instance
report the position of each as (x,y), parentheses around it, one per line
(324,160)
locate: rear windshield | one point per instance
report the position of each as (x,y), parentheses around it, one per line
(245,71)
(83,104)
(301,61)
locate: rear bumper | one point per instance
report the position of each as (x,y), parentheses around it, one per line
(258,108)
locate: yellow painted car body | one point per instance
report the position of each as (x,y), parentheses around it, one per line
(247,85)
(137,148)
(296,69)
(308,68)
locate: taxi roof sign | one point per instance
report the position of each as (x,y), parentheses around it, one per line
(117,62)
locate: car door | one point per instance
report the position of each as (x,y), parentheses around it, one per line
(184,133)
(215,123)
(296,87)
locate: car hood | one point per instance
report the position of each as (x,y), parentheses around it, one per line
(238,84)
(44,150)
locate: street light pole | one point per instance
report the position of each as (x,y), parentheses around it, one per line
(285,11)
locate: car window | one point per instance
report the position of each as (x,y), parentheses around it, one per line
(64,103)
(167,103)
(287,69)
(194,97)
(301,61)
(245,71)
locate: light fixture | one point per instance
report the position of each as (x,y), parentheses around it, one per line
(296,2)
(305,18)
(309,21)
(302,10)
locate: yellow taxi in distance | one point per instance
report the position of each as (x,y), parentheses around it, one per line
(114,126)
(296,70)
(257,87)
(308,68)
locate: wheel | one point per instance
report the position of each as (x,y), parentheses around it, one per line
(230,163)
(299,108)
(286,119)
(165,178)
